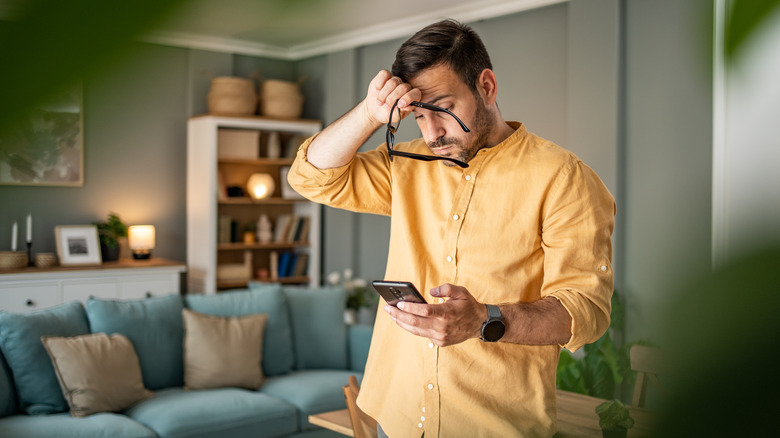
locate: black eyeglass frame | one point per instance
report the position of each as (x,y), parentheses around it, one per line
(391,130)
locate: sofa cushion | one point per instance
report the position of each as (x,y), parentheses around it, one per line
(154,326)
(319,331)
(223,351)
(97,372)
(359,336)
(311,391)
(7,391)
(227,412)
(278,355)
(64,426)
(33,374)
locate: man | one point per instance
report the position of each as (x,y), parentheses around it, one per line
(514,248)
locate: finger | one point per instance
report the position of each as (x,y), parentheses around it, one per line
(418,309)
(451,291)
(379,80)
(392,90)
(411,96)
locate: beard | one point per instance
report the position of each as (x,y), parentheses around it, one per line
(479,132)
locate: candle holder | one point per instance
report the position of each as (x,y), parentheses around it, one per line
(29,254)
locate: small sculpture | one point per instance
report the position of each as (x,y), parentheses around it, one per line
(264,231)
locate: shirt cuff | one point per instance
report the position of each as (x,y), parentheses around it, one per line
(588,321)
(305,171)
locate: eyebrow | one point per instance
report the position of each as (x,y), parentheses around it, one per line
(433,102)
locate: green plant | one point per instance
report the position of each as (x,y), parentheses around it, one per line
(110,230)
(604,367)
(358,297)
(614,416)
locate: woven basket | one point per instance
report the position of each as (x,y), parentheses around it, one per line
(281,99)
(232,96)
(13,259)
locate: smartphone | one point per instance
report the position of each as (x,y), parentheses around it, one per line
(395,291)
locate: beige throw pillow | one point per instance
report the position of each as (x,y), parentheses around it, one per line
(97,372)
(223,351)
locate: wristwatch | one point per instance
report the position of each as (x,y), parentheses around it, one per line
(493,328)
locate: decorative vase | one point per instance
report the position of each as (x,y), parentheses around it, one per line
(350,316)
(614,433)
(109,253)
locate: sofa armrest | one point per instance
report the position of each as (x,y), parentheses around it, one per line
(359,340)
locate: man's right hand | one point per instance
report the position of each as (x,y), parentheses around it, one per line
(383,91)
(336,145)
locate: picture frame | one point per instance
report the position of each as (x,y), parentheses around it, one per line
(77,245)
(45,145)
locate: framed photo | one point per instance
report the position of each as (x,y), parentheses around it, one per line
(77,245)
(44,147)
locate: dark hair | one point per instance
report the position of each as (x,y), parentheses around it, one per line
(448,43)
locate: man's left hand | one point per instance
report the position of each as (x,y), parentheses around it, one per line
(447,321)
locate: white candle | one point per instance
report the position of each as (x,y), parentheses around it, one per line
(14,231)
(29,228)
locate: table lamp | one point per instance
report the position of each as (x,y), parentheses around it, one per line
(140,238)
(260,185)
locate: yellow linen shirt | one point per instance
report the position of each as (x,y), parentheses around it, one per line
(527,219)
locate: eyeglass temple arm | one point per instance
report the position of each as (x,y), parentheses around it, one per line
(431,107)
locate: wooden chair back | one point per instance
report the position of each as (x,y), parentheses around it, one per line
(362,424)
(649,363)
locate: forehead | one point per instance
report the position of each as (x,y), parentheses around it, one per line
(438,82)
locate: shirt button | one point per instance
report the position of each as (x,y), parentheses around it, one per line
(455,217)
(430,386)
(441,300)
(430,345)
(419,425)
(603,268)
(468,177)
(449,258)
(423,409)
(422,418)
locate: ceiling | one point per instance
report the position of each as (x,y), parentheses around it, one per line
(296,29)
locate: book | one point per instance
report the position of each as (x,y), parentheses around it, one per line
(302,231)
(301,265)
(282,226)
(284,264)
(223,231)
(273,265)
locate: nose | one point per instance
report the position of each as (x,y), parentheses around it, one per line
(433,129)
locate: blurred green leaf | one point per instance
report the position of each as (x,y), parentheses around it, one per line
(50,45)
(744,18)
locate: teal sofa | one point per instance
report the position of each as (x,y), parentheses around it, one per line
(308,353)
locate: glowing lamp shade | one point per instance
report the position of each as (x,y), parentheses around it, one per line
(260,185)
(140,238)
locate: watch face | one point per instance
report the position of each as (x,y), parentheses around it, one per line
(493,331)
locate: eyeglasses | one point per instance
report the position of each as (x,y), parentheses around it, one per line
(392,128)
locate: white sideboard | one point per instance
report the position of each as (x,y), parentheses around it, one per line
(27,289)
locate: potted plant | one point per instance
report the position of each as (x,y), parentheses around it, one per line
(109,232)
(358,295)
(614,419)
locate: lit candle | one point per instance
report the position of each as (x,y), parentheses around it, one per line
(29,228)
(14,231)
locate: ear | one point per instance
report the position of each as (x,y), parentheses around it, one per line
(487,85)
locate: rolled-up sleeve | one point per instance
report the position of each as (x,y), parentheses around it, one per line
(362,185)
(579,218)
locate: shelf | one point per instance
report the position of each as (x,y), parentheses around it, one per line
(242,283)
(271,245)
(209,175)
(265,201)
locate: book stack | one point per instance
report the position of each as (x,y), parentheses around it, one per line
(288,264)
(291,228)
